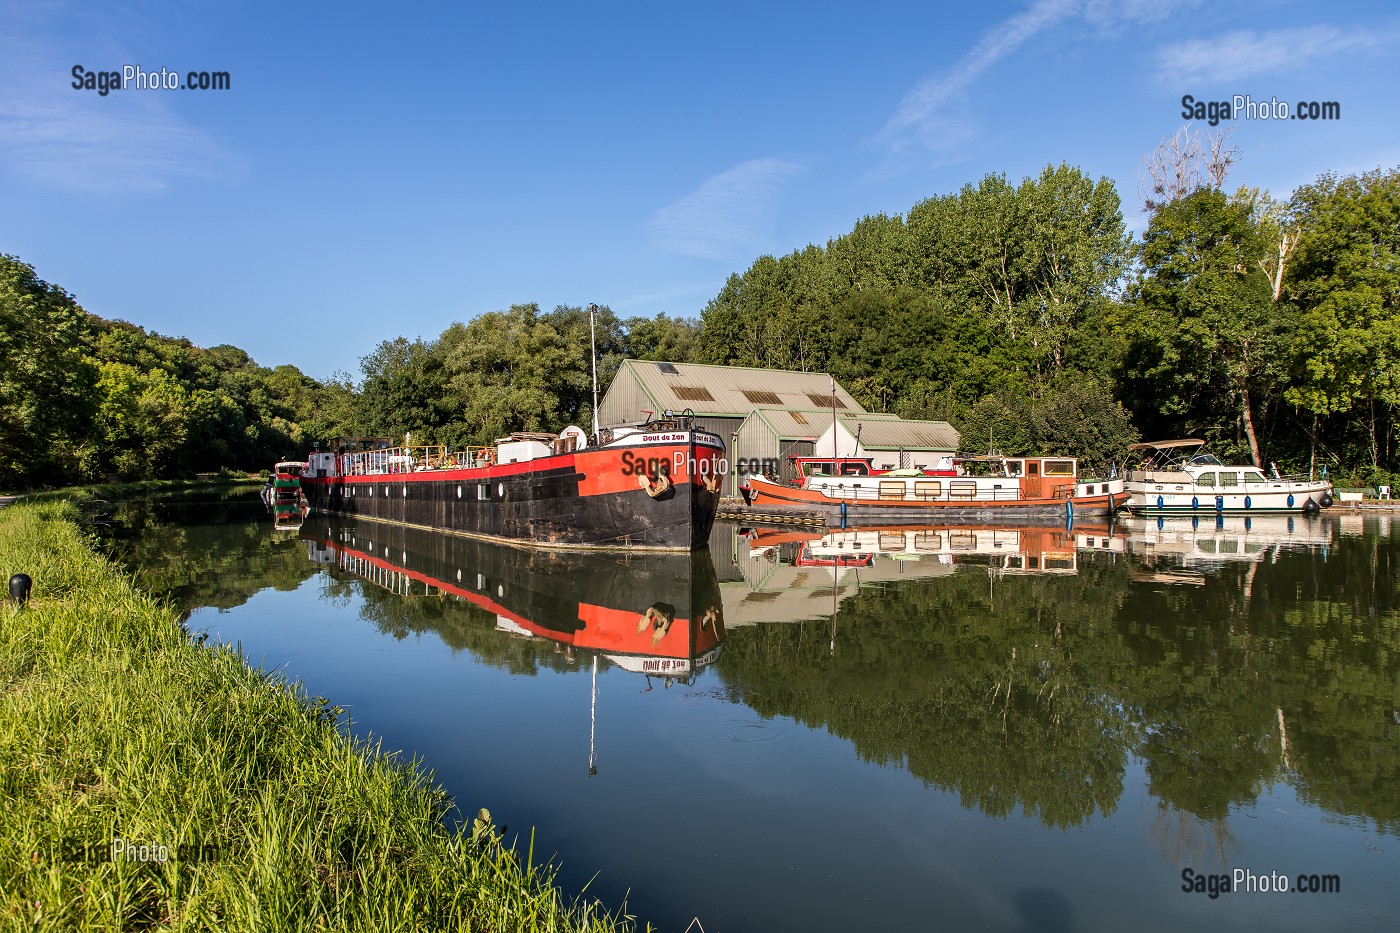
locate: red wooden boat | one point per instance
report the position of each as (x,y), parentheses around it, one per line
(1025,487)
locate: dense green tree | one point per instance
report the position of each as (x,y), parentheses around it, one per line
(404,390)
(523,370)
(1075,419)
(1345,282)
(1205,326)
(47,397)
(985,290)
(675,340)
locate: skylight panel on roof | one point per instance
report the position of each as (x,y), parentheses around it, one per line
(693,393)
(763,398)
(825,401)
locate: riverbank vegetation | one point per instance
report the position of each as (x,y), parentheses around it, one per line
(155,783)
(1025,314)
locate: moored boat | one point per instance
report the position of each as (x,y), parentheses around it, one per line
(1020,487)
(649,486)
(283,485)
(1181,476)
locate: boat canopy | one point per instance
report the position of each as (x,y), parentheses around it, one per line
(1168,445)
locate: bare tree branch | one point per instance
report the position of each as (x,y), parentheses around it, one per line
(1184,162)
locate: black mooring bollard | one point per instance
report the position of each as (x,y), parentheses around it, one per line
(20,585)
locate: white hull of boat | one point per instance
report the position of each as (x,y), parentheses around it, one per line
(1179,492)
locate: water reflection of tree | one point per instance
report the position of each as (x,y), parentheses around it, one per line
(1032,693)
(201,549)
(998,704)
(1183,838)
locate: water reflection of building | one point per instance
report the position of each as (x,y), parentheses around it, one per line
(656,614)
(786,574)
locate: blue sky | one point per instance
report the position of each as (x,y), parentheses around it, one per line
(379,170)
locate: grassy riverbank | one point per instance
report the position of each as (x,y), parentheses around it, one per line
(117,730)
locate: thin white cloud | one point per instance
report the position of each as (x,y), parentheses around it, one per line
(1245,53)
(702,291)
(920,106)
(922,121)
(76,140)
(729,216)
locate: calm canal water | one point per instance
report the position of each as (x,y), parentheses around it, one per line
(991,729)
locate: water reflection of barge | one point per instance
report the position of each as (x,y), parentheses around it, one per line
(785,571)
(1010,548)
(657,614)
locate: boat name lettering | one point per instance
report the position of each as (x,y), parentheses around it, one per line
(698,437)
(664,665)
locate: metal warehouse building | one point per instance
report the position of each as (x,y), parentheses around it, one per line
(769,437)
(891,443)
(766,416)
(720,396)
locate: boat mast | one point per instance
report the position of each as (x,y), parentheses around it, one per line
(593,356)
(833,427)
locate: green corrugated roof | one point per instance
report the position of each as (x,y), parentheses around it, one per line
(726,386)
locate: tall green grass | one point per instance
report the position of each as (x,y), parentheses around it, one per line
(114,725)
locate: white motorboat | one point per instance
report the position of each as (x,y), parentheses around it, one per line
(1181,476)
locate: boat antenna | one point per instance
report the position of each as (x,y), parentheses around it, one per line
(593,356)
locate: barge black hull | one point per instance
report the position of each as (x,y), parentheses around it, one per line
(578,503)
